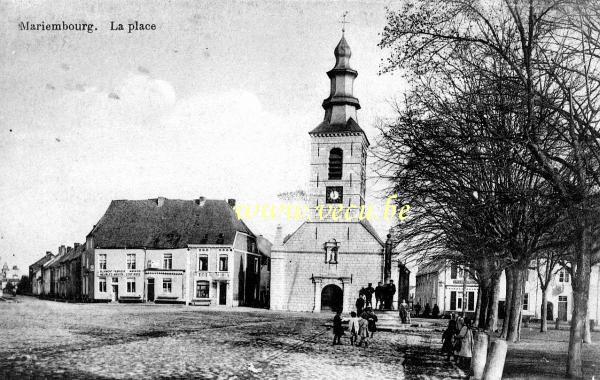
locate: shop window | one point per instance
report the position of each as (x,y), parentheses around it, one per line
(131,285)
(167,288)
(202,289)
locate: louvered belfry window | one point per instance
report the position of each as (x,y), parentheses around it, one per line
(335,163)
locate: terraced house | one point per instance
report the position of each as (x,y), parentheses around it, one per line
(165,250)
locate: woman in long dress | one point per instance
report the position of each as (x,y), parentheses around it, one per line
(465,335)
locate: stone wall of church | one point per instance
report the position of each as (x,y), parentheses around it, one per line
(300,271)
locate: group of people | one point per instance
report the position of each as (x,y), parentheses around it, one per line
(361,327)
(457,341)
(384,296)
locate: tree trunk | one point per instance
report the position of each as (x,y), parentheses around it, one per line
(587,334)
(478,306)
(483,299)
(544,322)
(581,287)
(491,322)
(512,335)
(508,301)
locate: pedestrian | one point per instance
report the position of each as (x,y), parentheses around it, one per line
(448,339)
(353,328)
(372,320)
(338,329)
(378,296)
(417,309)
(363,331)
(460,322)
(360,304)
(369,293)
(391,291)
(403,312)
(427,310)
(465,337)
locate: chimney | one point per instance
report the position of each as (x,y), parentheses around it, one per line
(160,201)
(278,241)
(231,202)
(62,250)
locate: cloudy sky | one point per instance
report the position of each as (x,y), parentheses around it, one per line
(217,101)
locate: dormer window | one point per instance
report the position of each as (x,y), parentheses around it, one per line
(336,161)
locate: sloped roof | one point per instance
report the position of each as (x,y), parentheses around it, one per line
(41,261)
(371,230)
(264,245)
(72,253)
(325,127)
(431,267)
(173,224)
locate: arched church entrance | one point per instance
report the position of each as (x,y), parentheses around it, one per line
(332,298)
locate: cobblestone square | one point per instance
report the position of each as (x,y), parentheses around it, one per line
(63,340)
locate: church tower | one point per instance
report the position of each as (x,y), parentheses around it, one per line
(325,262)
(338,145)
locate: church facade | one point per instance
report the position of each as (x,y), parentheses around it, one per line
(327,260)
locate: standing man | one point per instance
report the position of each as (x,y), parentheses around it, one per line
(360,304)
(369,293)
(378,296)
(391,290)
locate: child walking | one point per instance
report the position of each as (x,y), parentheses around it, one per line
(338,329)
(447,339)
(353,328)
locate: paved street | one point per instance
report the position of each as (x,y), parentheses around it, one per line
(53,339)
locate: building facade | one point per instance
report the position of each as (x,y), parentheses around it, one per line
(446,285)
(36,274)
(442,284)
(327,260)
(163,250)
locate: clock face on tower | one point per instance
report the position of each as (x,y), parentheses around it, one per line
(334,194)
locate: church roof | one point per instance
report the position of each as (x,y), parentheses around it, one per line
(167,224)
(371,230)
(325,127)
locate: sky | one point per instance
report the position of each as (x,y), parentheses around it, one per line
(216,102)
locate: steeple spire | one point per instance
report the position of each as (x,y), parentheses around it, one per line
(341,105)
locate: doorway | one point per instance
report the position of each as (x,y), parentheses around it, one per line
(562,308)
(222,293)
(150,290)
(115,293)
(332,298)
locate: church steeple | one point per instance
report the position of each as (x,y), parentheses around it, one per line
(338,145)
(341,105)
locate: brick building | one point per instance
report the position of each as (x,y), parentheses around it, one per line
(325,262)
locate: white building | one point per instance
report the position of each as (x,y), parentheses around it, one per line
(166,250)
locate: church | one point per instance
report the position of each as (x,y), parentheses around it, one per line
(326,261)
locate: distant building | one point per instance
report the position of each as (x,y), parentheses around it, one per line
(36,274)
(443,284)
(166,250)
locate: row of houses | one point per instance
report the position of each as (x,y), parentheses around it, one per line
(161,250)
(443,284)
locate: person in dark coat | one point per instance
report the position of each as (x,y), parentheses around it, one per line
(370,316)
(369,294)
(391,290)
(338,329)
(379,296)
(417,309)
(360,304)
(448,339)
